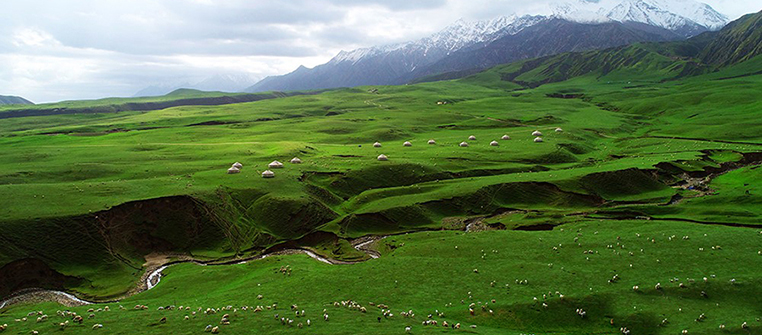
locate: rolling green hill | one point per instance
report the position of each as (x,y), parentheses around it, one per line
(646,174)
(12,100)
(180,97)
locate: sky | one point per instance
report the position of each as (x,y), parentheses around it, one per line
(85,49)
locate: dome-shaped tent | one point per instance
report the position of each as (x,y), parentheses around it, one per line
(377,145)
(237,165)
(432,142)
(536,133)
(275,165)
(538,139)
(296,160)
(463,144)
(382,157)
(268,174)
(472,138)
(559,130)
(233,170)
(494,143)
(407,144)
(506,137)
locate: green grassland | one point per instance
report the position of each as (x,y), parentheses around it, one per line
(651,150)
(434,271)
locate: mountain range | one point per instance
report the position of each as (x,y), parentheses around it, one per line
(737,44)
(467,47)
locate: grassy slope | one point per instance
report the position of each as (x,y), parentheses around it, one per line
(627,135)
(47,176)
(434,271)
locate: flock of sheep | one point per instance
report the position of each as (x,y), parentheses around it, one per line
(187,313)
(297,317)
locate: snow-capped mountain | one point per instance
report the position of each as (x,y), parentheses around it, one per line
(454,37)
(687,17)
(638,20)
(385,65)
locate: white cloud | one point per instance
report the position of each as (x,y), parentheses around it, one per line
(33,37)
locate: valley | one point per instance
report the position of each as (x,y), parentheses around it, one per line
(638,211)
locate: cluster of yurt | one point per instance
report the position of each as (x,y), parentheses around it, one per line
(236,167)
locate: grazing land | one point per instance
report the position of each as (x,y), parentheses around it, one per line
(639,211)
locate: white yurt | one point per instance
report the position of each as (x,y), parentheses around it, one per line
(275,165)
(538,139)
(377,145)
(233,170)
(463,144)
(536,133)
(494,143)
(237,165)
(559,130)
(407,144)
(383,157)
(472,138)
(506,137)
(432,142)
(296,160)
(268,174)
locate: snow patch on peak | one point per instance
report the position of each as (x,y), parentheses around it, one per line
(454,37)
(669,14)
(583,11)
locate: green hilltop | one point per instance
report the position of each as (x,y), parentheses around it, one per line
(647,173)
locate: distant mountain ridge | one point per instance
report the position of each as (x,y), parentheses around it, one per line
(635,21)
(14,100)
(229,83)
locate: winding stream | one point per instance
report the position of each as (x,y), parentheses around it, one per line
(154,278)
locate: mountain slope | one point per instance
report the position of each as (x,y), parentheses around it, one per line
(547,38)
(738,42)
(14,100)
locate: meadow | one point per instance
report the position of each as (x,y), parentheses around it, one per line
(648,181)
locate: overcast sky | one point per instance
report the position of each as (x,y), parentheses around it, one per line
(81,49)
